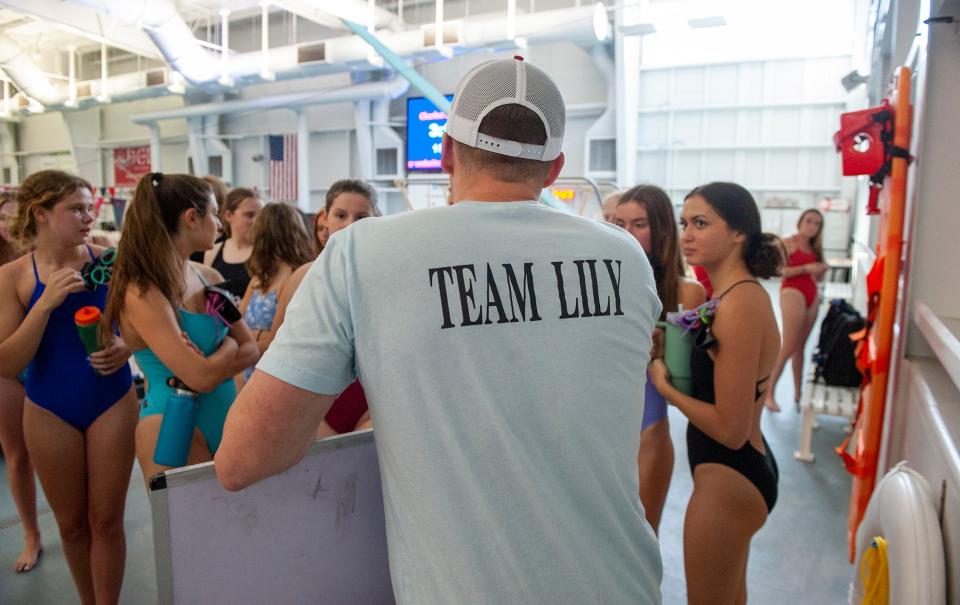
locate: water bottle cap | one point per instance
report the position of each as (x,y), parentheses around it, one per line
(87,316)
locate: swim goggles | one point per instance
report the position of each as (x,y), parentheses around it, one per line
(99,271)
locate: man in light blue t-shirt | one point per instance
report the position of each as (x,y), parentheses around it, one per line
(503,347)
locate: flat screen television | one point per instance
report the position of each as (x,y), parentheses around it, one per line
(425,127)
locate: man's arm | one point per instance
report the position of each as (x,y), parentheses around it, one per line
(268,430)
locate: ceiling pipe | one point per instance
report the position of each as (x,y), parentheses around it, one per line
(124,87)
(28,77)
(586,26)
(163,23)
(605,126)
(389,89)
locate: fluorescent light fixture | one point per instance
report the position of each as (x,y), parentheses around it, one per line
(640,29)
(704,22)
(671,24)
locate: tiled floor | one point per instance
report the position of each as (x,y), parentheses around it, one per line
(799,557)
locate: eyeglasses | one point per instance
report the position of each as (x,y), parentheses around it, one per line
(99,271)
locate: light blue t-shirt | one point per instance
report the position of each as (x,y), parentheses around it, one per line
(503,349)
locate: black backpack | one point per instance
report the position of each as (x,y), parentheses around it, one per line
(835,357)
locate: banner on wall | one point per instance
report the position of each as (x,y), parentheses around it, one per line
(129,164)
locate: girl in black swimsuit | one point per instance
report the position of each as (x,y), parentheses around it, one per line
(238,213)
(734,471)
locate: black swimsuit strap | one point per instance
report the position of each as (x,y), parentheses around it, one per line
(742,281)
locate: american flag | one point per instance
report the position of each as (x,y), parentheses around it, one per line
(283,167)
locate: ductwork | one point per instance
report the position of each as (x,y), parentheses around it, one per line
(28,77)
(161,21)
(586,26)
(604,129)
(605,126)
(385,89)
(125,87)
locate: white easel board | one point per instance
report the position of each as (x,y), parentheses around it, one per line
(313,534)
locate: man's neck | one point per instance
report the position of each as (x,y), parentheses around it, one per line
(484,189)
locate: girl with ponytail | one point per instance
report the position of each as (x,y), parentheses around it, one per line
(159,301)
(736,342)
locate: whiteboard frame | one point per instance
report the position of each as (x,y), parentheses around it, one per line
(162,482)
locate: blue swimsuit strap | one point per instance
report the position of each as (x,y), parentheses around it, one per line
(36,274)
(199,275)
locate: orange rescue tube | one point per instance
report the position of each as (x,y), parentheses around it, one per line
(880,340)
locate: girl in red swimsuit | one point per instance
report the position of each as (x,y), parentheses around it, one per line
(798,298)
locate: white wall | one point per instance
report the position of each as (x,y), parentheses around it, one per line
(767,125)
(934,270)
(43,143)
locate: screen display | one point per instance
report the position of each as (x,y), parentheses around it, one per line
(425,127)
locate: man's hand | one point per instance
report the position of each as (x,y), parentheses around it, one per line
(268,430)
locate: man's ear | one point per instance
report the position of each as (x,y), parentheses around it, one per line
(447,161)
(555,167)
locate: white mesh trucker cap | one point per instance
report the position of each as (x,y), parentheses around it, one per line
(502,82)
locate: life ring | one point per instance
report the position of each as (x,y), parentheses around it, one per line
(903,511)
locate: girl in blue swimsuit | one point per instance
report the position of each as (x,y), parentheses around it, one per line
(646,212)
(280,245)
(80,410)
(735,350)
(159,302)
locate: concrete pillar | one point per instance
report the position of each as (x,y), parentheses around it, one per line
(83,128)
(361,122)
(198,146)
(303,161)
(155,162)
(627,85)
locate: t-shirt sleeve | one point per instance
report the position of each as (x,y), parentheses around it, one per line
(313,349)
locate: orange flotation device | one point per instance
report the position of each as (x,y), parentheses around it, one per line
(882,293)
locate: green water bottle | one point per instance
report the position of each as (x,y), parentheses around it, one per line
(87,320)
(677,349)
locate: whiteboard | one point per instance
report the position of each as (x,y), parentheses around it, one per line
(313,534)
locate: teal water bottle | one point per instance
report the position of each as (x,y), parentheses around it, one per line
(176,430)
